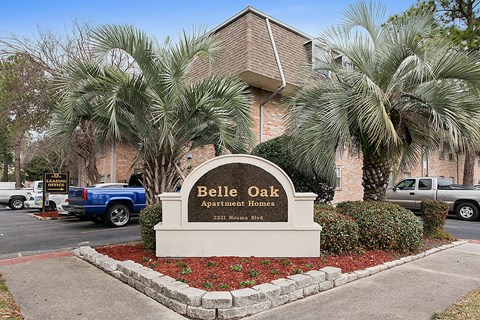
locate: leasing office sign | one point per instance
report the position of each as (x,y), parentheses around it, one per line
(56,183)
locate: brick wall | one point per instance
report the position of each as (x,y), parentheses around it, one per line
(290,48)
(450,167)
(351,177)
(273,115)
(246,46)
(124,162)
(233,54)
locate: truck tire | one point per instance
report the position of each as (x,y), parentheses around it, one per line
(52,206)
(467,211)
(16,203)
(118,215)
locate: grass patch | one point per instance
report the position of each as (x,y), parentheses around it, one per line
(467,308)
(8,308)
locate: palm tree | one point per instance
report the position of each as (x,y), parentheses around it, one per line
(158,105)
(392,92)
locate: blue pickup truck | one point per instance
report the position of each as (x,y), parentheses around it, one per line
(113,204)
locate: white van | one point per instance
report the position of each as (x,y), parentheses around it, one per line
(54,201)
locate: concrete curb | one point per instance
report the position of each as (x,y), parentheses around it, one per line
(196,303)
(38,257)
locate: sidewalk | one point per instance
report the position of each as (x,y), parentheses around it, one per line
(61,286)
(413,291)
(70,288)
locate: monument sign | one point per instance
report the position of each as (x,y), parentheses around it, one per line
(237,205)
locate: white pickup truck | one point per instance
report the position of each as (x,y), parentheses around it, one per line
(13,197)
(409,192)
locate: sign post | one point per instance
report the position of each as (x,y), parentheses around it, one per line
(43,193)
(54,183)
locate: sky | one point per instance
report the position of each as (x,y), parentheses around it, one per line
(161,18)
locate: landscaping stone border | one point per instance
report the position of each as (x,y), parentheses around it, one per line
(196,303)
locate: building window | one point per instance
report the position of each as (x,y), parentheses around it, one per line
(406,175)
(478,159)
(338,177)
(441,153)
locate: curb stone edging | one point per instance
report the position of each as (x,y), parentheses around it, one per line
(196,303)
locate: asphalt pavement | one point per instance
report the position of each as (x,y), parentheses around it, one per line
(23,235)
(463,229)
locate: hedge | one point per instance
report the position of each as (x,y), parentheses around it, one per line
(339,232)
(149,217)
(384,226)
(434,214)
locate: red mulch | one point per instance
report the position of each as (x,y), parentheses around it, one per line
(48,214)
(216,274)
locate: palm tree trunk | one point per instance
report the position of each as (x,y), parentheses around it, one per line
(468,168)
(376,172)
(160,176)
(93,175)
(151,181)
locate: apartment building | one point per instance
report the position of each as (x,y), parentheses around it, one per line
(273,58)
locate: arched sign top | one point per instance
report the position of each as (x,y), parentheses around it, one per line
(238,188)
(266,165)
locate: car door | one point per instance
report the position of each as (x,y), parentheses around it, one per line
(403,193)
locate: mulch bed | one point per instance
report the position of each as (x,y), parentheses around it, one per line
(48,214)
(230,273)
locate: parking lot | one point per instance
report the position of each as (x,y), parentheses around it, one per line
(21,234)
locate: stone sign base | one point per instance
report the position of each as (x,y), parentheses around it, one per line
(243,243)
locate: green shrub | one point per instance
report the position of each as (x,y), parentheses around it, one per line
(434,214)
(149,217)
(383,225)
(276,151)
(339,232)
(441,234)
